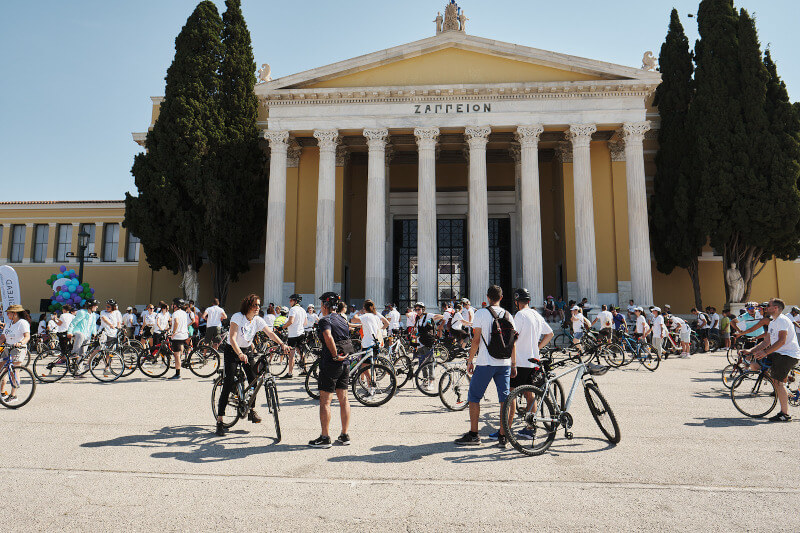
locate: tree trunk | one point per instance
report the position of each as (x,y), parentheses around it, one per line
(221,283)
(694,273)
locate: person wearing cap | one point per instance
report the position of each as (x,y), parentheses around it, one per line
(550,311)
(295,329)
(751,324)
(179,334)
(659,331)
(16,334)
(580,324)
(425,331)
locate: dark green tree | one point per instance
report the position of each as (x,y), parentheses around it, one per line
(677,236)
(167,215)
(236,191)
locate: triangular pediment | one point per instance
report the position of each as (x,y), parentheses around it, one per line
(453,59)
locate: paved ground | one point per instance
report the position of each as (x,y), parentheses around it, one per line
(140,454)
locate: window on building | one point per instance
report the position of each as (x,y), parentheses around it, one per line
(40,235)
(88,228)
(132,249)
(110,242)
(63,242)
(17,243)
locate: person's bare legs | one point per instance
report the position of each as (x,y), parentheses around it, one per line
(177,356)
(780,390)
(344,408)
(325,411)
(474,415)
(291,362)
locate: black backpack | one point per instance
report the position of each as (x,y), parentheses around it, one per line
(425,331)
(502,336)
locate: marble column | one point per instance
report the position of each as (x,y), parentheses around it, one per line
(276,216)
(531,212)
(327,140)
(585,251)
(375,283)
(516,253)
(478,223)
(638,227)
(427,261)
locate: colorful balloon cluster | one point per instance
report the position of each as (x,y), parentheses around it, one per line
(67,290)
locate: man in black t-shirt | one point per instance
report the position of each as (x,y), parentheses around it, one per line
(333,373)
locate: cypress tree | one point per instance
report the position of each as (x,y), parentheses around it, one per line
(167,215)
(677,236)
(236,191)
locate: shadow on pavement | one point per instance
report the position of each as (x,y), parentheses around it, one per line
(197,444)
(727,422)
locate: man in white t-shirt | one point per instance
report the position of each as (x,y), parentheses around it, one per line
(180,332)
(683,329)
(394,319)
(295,327)
(631,311)
(659,331)
(129,322)
(794,316)
(703,327)
(214,315)
(487,368)
(782,350)
(63,321)
(468,311)
(604,321)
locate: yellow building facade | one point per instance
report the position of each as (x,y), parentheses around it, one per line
(426,172)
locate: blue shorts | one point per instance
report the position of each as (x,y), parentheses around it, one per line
(481,377)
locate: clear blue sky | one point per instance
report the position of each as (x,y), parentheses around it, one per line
(77,76)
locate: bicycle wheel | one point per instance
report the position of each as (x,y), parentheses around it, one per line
(204,361)
(557,395)
(562,340)
(232,411)
(427,378)
(274,407)
(733,355)
(441,353)
(50,366)
(402,370)
(131,358)
(602,412)
(648,357)
(153,366)
(753,394)
(730,373)
(107,366)
(278,363)
(613,354)
(16,387)
(374,385)
(530,431)
(453,388)
(311,381)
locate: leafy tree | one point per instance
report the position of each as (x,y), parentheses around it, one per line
(677,235)
(167,215)
(235,203)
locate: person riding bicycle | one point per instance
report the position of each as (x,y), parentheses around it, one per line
(109,328)
(238,350)
(751,324)
(82,328)
(620,324)
(17,333)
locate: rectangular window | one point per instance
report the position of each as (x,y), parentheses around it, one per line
(63,242)
(132,249)
(17,243)
(110,242)
(40,235)
(88,228)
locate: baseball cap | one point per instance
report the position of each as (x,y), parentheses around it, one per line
(575,308)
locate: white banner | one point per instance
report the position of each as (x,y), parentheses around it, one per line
(9,284)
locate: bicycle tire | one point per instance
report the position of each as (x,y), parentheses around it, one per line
(729,375)
(25,382)
(454,382)
(153,366)
(204,361)
(541,421)
(131,358)
(233,401)
(376,372)
(614,355)
(311,381)
(108,373)
(733,355)
(649,359)
(402,370)
(274,407)
(753,394)
(558,398)
(278,363)
(436,371)
(441,354)
(47,369)
(603,409)
(562,340)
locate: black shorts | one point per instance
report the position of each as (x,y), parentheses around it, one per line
(332,376)
(702,333)
(177,345)
(212,334)
(147,332)
(781,365)
(605,333)
(458,334)
(295,342)
(524,377)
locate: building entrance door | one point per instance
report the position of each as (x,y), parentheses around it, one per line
(500,259)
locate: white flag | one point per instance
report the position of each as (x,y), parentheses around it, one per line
(9,284)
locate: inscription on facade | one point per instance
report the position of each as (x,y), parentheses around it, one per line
(424,109)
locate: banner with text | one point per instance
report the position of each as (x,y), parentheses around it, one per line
(9,284)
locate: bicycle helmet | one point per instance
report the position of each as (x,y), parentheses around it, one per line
(180,302)
(522,295)
(419,304)
(112,303)
(91,303)
(330,299)
(284,310)
(296,297)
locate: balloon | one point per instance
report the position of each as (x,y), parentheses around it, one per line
(91,291)
(85,285)
(83,301)
(62,268)
(71,288)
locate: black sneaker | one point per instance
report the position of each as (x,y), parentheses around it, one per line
(176,376)
(469,439)
(343,440)
(320,442)
(780,417)
(286,376)
(502,441)
(253,417)
(220,430)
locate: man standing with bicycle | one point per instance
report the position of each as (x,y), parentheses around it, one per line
(334,336)
(295,327)
(782,351)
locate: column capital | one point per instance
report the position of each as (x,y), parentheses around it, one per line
(278,139)
(580,134)
(529,135)
(426,137)
(634,131)
(376,137)
(327,139)
(477,136)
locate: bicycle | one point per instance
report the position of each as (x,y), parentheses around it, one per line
(754,392)
(636,350)
(396,354)
(542,418)
(52,365)
(243,396)
(428,373)
(20,378)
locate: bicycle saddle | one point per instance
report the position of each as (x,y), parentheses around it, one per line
(596,370)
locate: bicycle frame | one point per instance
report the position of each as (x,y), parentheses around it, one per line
(8,365)
(580,370)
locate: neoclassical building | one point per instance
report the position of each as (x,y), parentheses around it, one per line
(429,170)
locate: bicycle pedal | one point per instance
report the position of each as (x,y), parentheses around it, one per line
(568,435)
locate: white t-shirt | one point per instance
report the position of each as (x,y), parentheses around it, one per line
(394,319)
(679,324)
(577,322)
(247,329)
(631,309)
(118,317)
(52,327)
(641,324)
(457,322)
(16,331)
(129,320)
(793,318)
(411,317)
(658,327)
(162,322)
(469,316)
(483,320)
(299,322)
(111,317)
(370,325)
(715,320)
(532,327)
(214,316)
(782,323)
(269,320)
(66,320)
(149,318)
(42,327)
(180,322)
(605,319)
(703,321)
(311,319)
